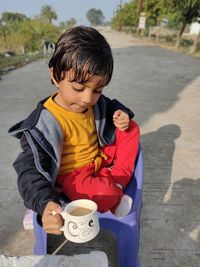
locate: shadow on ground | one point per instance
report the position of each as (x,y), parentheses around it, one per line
(170,216)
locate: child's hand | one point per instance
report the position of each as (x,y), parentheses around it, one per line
(121,120)
(52,223)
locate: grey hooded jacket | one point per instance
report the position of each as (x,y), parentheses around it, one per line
(41,141)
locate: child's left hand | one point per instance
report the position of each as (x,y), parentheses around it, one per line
(121,120)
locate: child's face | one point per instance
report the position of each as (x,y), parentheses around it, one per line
(77,97)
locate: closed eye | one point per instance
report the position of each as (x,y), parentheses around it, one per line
(81,90)
(97,92)
(78,89)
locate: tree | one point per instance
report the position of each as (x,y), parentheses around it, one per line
(48,14)
(154,11)
(157,10)
(187,11)
(126,15)
(68,24)
(95,16)
(24,35)
(45,31)
(3,30)
(9,22)
(9,17)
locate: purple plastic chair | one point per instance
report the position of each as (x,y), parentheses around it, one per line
(126,229)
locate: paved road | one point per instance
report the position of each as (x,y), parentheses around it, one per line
(162,88)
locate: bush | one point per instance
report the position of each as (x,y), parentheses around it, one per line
(12,62)
(198,46)
(170,39)
(186,42)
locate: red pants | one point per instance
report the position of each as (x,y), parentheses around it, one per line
(101,187)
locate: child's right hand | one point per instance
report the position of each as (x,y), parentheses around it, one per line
(52,223)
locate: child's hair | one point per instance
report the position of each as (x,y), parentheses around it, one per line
(85,51)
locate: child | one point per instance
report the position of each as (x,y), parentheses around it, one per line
(77,143)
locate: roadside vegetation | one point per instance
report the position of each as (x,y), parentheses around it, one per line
(9,62)
(167,22)
(22,38)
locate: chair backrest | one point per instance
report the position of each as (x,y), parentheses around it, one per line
(134,188)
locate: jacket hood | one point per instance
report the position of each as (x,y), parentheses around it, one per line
(17,129)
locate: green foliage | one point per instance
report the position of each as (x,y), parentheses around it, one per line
(68,24)
(8,63)
(173,20)
(177,13)
(9,17)
(16,60)
(126,16)
(27,35)
(186,11)
(186,42)
(22,34)
(48,14)
(95,16)
(154,10)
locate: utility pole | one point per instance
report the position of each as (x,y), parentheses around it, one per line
(141,16)
(141,7)
(120,15)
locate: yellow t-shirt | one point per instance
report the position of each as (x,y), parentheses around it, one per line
(80,143)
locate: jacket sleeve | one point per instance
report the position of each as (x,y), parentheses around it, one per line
(34,188)
(114,105)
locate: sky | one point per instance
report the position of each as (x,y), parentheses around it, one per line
(65,9)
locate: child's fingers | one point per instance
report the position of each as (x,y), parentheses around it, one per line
(123,117)
(121,127)
(52,223)
(52,206)
(56,220)
(53,229)
(54,232)
(121,122)
(116,114)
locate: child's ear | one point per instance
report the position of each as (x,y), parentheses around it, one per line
(52,78)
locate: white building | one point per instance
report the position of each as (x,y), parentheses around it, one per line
(195,28)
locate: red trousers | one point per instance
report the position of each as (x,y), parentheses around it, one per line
(117,169)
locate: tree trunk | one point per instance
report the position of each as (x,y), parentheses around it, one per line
(193,48)
(180,35)
(23,49)
(5,39)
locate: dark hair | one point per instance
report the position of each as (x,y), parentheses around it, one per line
(84,50)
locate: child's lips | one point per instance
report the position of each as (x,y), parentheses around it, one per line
(83,107)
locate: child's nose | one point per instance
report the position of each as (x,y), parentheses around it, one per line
(87,98)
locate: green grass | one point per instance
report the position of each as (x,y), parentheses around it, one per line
(16,61)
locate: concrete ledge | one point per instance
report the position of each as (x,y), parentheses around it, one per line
(93,259)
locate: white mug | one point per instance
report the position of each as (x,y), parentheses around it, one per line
(81,223)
